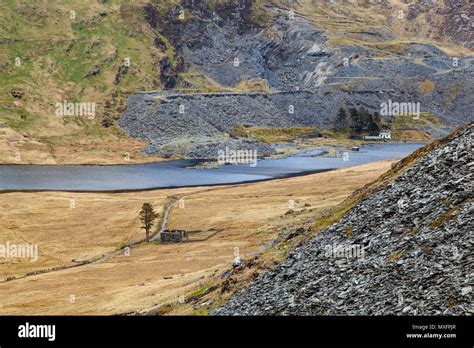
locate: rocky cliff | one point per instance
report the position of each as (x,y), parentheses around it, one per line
(309,75)
(405,250)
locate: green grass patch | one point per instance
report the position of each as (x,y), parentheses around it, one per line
(201,291)
(334,215)
(202,83)
(409,122)
(333,134)
(274,135)
(252,86)
(16,118)
(201,311)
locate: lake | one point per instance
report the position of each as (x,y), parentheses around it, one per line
(172,174)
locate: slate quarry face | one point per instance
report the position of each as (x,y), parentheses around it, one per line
(303,71)
(416,233)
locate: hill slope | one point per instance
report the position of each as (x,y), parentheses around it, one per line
(75,51)
(413,239)
(53,51)
(310,66)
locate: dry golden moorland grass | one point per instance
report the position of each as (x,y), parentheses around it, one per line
(248,215)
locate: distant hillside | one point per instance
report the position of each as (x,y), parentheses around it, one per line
(446,23)
(311,69)
(404,249)
(104,51)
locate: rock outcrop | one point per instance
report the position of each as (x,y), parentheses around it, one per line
(451,18)
(406,249)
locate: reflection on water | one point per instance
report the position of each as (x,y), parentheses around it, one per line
(175,173)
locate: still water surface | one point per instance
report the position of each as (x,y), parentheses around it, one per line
(176,174)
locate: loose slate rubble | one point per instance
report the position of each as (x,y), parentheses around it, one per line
(307,76)
(416,234)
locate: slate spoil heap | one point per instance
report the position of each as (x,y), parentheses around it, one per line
(416,235)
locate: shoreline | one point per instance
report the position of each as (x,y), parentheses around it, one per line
(324,150)
(297,147)
(304,173)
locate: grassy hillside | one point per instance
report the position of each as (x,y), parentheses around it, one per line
(101,51)
(406,128)
(74,51)
(81,51)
